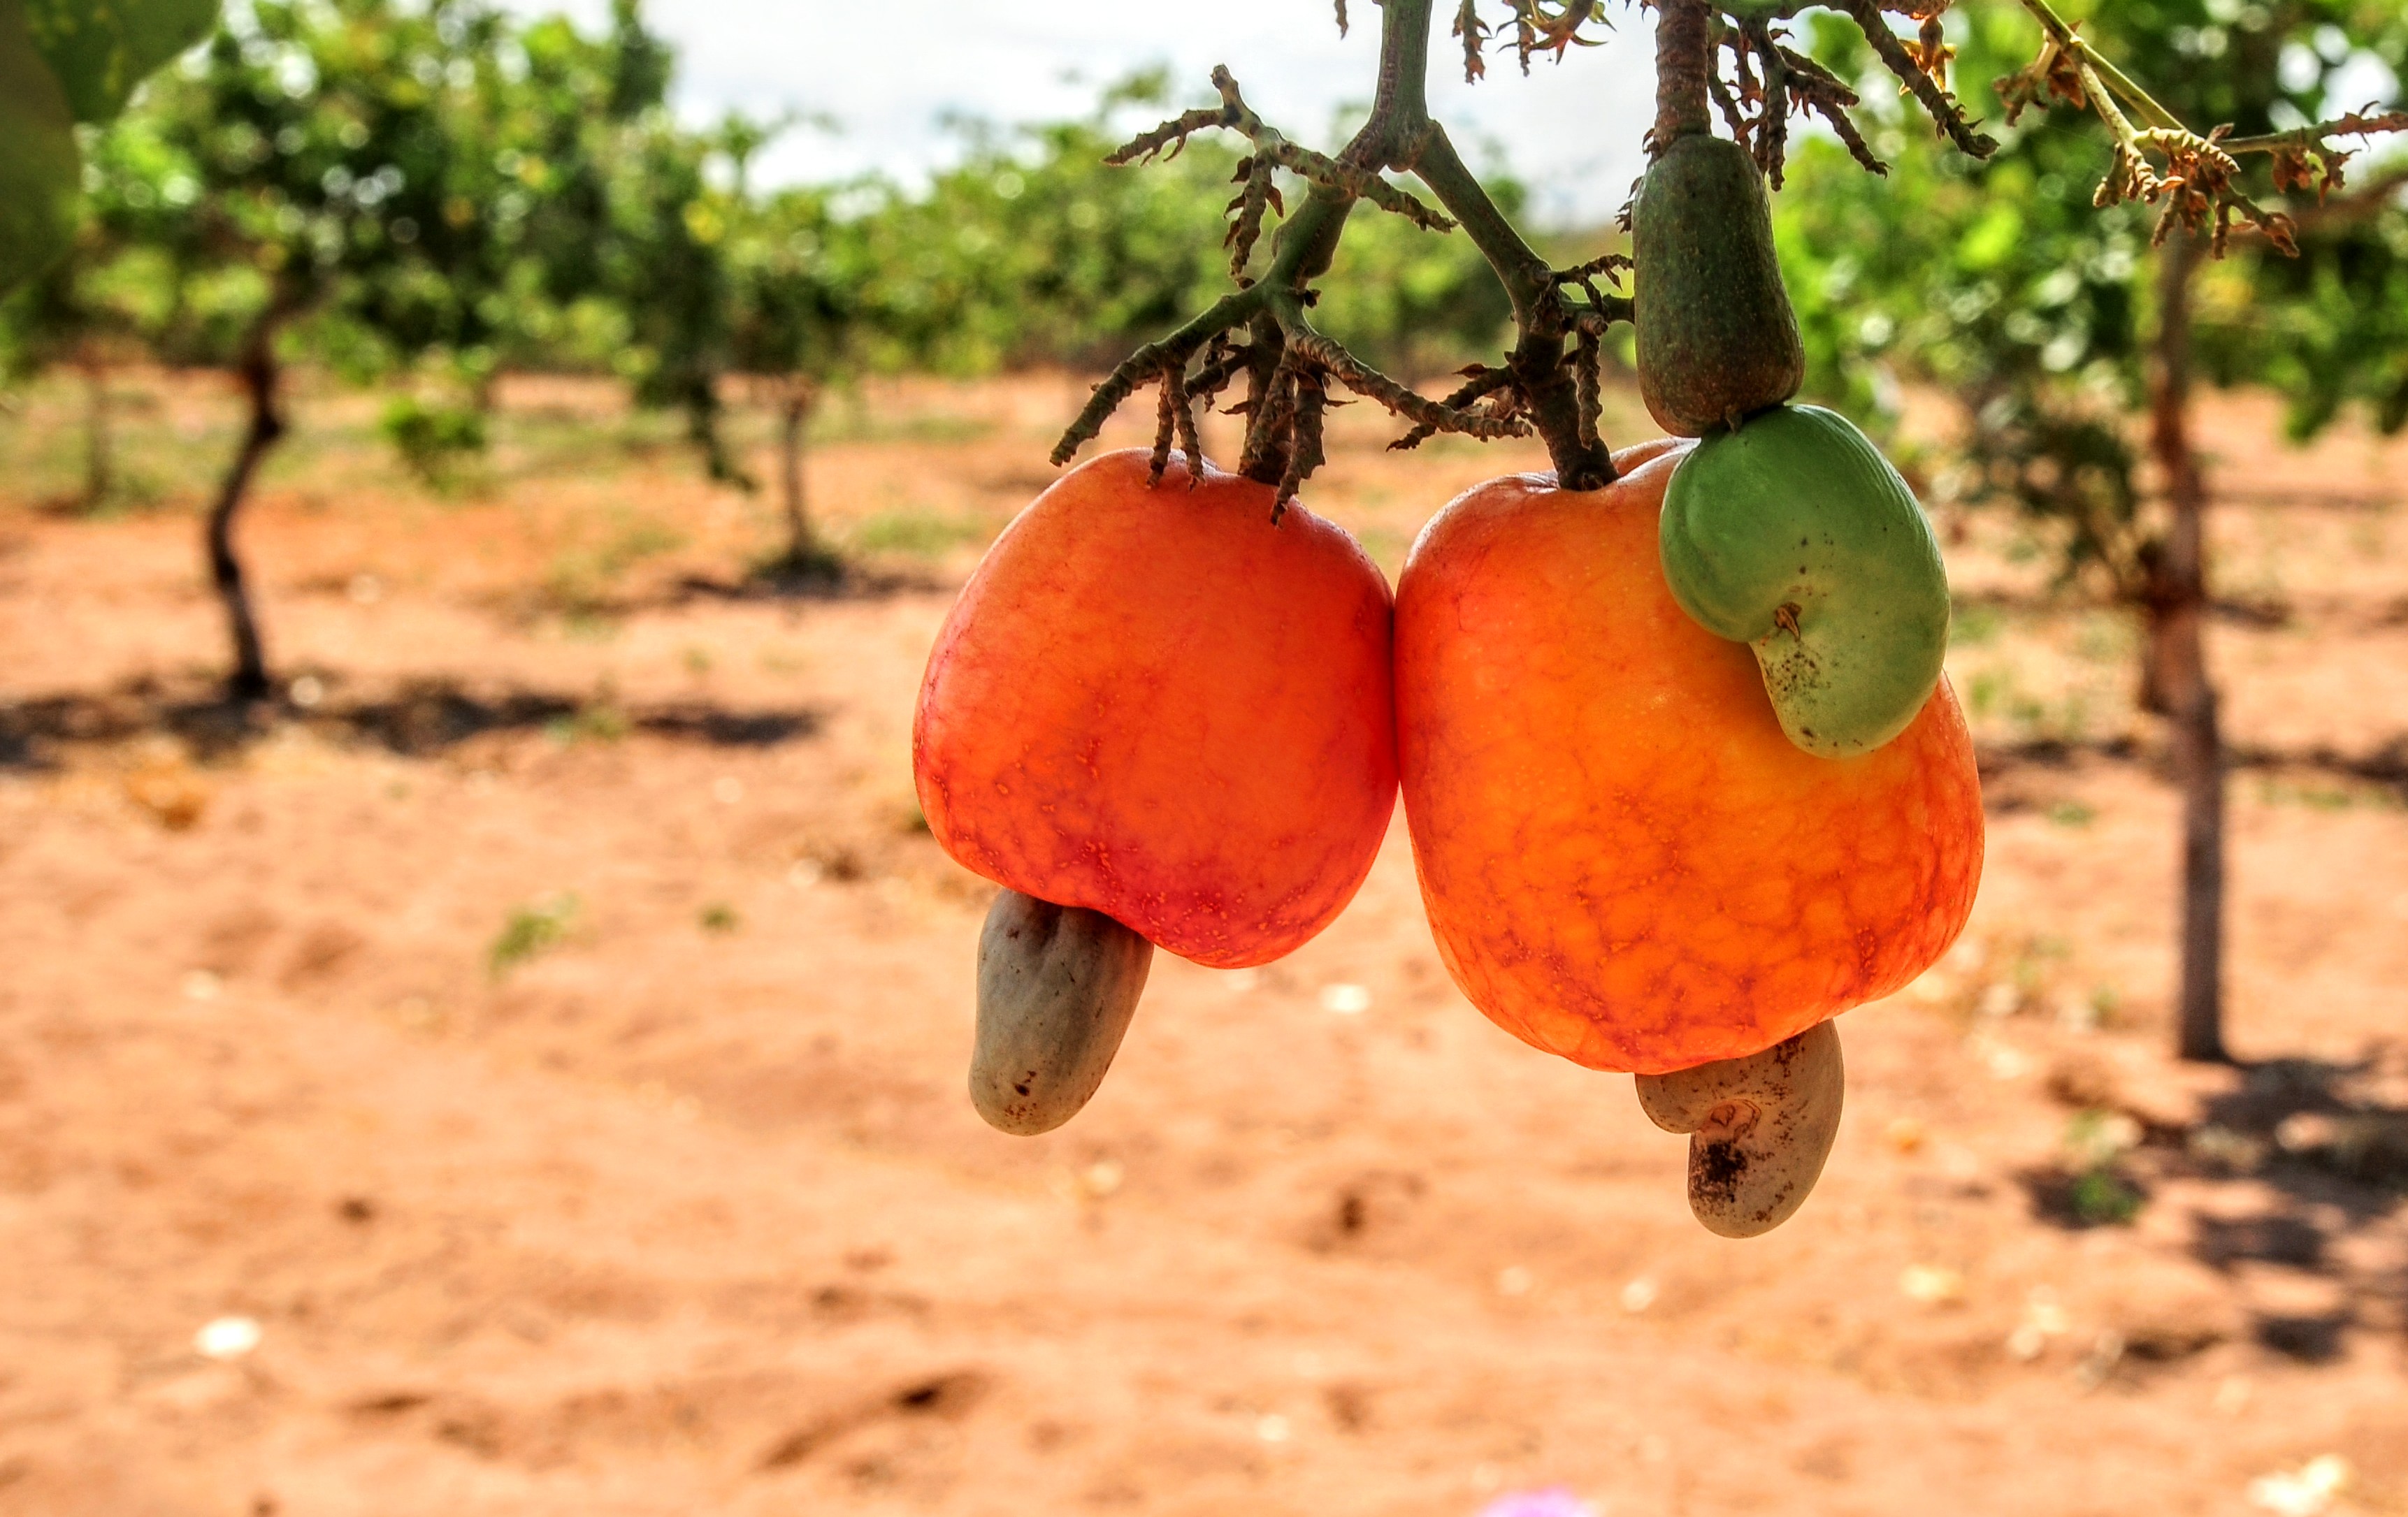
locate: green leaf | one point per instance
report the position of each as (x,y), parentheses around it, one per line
(40,171)
(102,49)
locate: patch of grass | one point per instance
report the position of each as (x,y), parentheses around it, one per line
(1988,688)
(437,442)
(917,534)
(602,721)
(2104,1198)
(2106,638)
(815,565)
(2326,797)
(1975,626)
(1385,548)
(862,423)
(1998,691)
(582,581)
(530,930)
(718,917)
(2099,1193)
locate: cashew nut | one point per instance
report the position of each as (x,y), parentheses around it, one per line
(1761,1128)
(1056,987)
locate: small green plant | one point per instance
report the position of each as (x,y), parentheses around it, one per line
(2104,1199)
(2100,1195)
(1975,625)
(2071,814)
(433,439)
(2325,797)
(600,722)
(1990,690)
(2105,638)
(719,917)
(917,534)
(581,583)
(530,930)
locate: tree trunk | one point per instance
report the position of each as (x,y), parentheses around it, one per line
(257,369)
(96,442)
(703,414)
(2178,650)
(801,551)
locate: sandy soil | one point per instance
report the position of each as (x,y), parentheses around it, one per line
(547,1026)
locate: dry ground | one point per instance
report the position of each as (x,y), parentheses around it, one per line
(547,1025)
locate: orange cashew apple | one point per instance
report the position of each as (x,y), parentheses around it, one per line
(1160,704)
(1623,859)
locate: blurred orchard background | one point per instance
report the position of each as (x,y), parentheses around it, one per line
(485,1018)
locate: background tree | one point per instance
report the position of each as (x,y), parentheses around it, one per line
(666,266)
(1033,249)
(2052,320)
(345,179)
(104,302)
(63,62)
(805,286)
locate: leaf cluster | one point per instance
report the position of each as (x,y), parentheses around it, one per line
(2007,286)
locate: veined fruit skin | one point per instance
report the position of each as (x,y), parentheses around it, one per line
(1155,704)
(1795,534)
(1717,338)
(1624,860)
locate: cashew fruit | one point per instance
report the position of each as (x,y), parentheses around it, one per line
(1154,701)
(1624,860)
(1794,536)
(1718,340)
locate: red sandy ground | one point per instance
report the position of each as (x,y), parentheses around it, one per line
(671,1218)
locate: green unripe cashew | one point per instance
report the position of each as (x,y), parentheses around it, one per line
(1796,535)
(1056,987)
(1718,340)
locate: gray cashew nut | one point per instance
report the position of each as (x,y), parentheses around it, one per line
(1056,987)
(1761,1128)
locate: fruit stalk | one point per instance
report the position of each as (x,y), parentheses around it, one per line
(1683,58)
(1581,460)
(1282,350)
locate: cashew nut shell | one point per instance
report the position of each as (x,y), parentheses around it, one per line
(1056,987)
(1761,1128)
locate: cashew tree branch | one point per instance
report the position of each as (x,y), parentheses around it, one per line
(1263,331)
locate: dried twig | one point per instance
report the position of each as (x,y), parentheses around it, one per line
(2196,186)
(1260,194)
(1475,33)
(1536,31)
(1262,330)
(1922,80)
(1402,400)
(1273,148)
(1304,452)
(1486,381)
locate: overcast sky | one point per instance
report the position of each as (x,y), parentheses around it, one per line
(1571,131)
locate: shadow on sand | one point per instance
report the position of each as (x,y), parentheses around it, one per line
(419,718)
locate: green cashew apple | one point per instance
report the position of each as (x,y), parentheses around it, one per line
(1793,533)
(1718,340)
